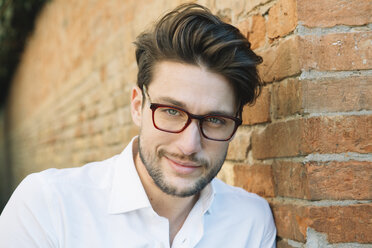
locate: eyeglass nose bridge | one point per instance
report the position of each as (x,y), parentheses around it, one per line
(190,117)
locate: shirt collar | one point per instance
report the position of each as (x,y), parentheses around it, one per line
(127,192)
(206,198)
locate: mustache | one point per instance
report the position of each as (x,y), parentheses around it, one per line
(191,158)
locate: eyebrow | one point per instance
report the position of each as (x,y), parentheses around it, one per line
(172,101)
(179,104)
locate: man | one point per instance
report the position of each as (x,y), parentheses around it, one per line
(195,74)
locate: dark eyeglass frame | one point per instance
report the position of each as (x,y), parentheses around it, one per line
(200,118)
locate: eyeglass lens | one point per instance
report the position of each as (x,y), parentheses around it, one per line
(174,120)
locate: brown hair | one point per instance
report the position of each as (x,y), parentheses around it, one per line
(192,34)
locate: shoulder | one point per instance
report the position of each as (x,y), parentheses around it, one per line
(43,200)
(49,183)
(236,209)
(95,174)
(231,194)
(240,203)
(52,187)
(244,217)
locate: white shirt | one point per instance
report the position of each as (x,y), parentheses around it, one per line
(103,204)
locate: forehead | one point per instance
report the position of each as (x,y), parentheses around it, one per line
(198,89)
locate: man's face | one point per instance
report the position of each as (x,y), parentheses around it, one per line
(182,164)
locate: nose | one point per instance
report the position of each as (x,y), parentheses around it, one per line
(189,141)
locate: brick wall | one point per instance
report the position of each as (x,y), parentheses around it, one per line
(306,145)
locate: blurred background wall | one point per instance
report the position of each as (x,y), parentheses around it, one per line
(306,146)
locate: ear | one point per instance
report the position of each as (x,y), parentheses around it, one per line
(136,105)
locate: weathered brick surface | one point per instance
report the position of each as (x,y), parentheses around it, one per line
(291,179)
(291,220)
(338,134)
(347,94)
(229,9)
(260,111)
(340,180)
(319,13)
(293,96)
(280,139)
(281,60)
(324,180)
(287,98)
(239,146)
(227,173)
(282,18)
(335,52)
(250,5)
(254,28)
(334,134)
(344,223)
(350,223)
(256,178)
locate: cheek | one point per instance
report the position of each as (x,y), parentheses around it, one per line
(151,135)
(146,119)
(148,131)
(216,150)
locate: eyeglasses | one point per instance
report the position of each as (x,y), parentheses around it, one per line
(173,119)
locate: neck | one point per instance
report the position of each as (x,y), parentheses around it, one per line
(174,208)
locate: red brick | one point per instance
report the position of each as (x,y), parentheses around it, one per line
(237,7)
(260,111)
(349,223)
(254,28)
(291,220)
(340,180)
(281,60)
(282,18)
(238,147)
(347,94)
(281,139)
(250,5)
(255,178)
(287,98)
(341,51)
(233,8)
(324,180)
(226,173)
(291,179)
(257,33)
(320,13)
(332,52)
(292,96)
(338,134)
(334,134)
(245,26)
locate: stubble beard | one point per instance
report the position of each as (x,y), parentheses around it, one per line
(150,161)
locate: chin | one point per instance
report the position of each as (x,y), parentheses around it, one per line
(187,191)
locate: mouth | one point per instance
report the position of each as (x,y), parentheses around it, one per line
(183,167)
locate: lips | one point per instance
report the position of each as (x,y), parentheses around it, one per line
(183,167)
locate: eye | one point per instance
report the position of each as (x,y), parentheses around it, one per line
(215,120)
(171,111)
